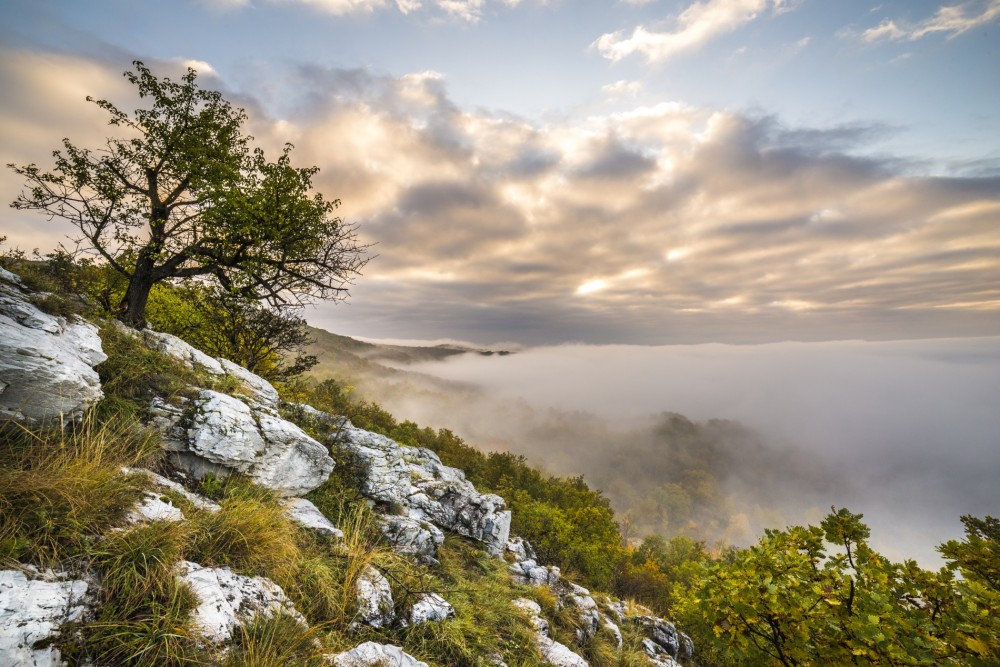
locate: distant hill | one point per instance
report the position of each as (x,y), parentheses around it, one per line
(343,357)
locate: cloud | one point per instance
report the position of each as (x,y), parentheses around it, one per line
(698,223)
(952,20)
(696,25)
(463,10)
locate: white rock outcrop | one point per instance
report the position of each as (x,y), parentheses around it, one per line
(663,642)
(307,515)
(371,654)
(162,483)
(259,389)
(154,507)
(32,611)
(411,536)
(227,599)
(414,483)
(46,363)
(430,608)
(552,651)
(219,434)
(374,600)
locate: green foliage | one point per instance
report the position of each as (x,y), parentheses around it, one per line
(143,615)
(61,487)
(179,193)
(787,601)
(275,640)
(267,341)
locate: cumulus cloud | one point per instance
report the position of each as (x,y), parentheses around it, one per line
(952,20)
(662,223)
(696,25)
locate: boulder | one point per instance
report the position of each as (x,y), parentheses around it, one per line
(430,608)
(154,507)
(371,654)
(257,387)
(172,346)
(32,611)
(413,482)
(374,599)
(411,536)
(46,363)
(552,651)
(663,639)
(532,574)
(162,483)
(219,434)
(304,513)
(518,550)
(227,600)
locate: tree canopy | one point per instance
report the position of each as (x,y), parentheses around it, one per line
(183,194)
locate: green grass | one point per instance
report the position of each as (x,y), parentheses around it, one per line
(61,488)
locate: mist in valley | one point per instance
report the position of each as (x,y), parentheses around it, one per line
(721,441)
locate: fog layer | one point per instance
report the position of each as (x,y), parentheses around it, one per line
(906,432)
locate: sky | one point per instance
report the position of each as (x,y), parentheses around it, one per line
(543,172)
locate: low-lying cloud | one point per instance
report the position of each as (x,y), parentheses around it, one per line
(905,432)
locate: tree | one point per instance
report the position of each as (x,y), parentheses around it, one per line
(184,195)
(270,342)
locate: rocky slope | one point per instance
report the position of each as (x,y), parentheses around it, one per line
(47,375)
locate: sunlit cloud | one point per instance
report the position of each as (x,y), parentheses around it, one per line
(951,20)
(596,228)
(695,26)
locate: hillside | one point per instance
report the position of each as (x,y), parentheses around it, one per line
(160,506)
(168,508)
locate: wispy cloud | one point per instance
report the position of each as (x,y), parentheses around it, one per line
(952,20)
(696,25)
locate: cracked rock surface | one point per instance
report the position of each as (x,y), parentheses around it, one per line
(220,434)
(416,483)
(371,654)
(46,363)
(32,611)
(227,599)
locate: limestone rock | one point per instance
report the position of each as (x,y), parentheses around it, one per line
(371,654)
(531,573)
(262,390)
(227,599)
(220,434)
(259,389)
(430,608)
(154,507)
(657,657)
(415,482)
(161,482)
(304,513)
(552,651)
(374,600)
(46,362)
(519,550)
(663,639)
(590,617)
(411,536)
(31,614)
(182,351)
